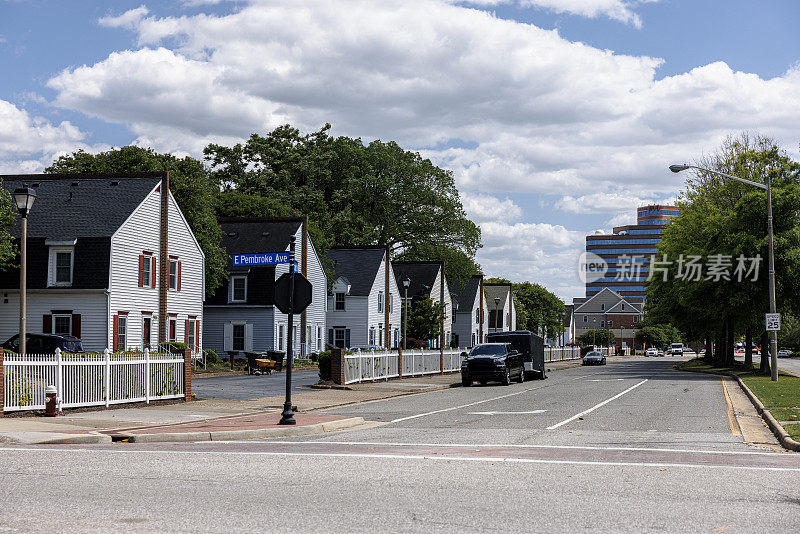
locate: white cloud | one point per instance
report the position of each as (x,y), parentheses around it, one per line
(483,208)
(619,10)
(28,144)
(600,203)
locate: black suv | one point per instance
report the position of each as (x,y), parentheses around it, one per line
(492,361)
(44,344)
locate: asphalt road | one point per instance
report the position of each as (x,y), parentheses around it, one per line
(633,446)
(791,365)
(250,387)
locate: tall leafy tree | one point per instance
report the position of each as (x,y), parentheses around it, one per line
(7,221)
(355,194)
(189,183)
(425,319)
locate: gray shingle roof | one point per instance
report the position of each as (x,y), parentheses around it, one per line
(466,296)
(69,206)
(253,236)
(359,265)
(501,291)
(422,274)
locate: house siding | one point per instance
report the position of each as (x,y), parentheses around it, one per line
(141,233)
(90,306)
(216,317)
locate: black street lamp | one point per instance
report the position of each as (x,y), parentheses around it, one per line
(406,283)
(23,197)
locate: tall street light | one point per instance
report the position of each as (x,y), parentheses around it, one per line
(406,284)
(496,309)
(23,197)
(773,335)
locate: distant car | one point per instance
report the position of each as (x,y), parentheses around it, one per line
(651,352)
(44,344)
(594,358)
(492,362)
(676,349)
(660,352)
(784,353)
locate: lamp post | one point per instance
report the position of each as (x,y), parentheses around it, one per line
(23,197)
(406,284)
(773,335)
(496,305)
(594,331)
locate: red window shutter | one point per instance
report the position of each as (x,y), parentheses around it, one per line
(179,276)
(197,335)
(141,270)
(186,331)
(76,324)
(153,272)
(47,324)
(116,333)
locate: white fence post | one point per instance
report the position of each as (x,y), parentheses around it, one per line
(59,381)
(107,367)
(147,376)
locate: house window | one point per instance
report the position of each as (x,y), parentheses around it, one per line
(147,327)
(61,264)
(146,277)
(191,334)
(391,303)
(339,337)
(122,332)
(454,317)
(174,274)
(319,338)
(602,307)
(623,307)
(371,336)
(602,324)
(477,316)
(380,301)
(339,305)
(585,318)
(173,330)
(610,324)
(281,336)
(62,325)
(381,338)
(238,286)
(396,338)
(238,337)
(635,319)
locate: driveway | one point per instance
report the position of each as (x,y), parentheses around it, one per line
(251,387)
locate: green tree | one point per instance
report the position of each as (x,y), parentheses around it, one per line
(725,217)
(355,194)
(652,336)
(603,338)
(189,183)
(8,218)
(425,319)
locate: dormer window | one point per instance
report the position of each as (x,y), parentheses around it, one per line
(60,266)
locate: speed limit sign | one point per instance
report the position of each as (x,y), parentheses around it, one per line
(773,321)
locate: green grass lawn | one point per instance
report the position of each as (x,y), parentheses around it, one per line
(781,398)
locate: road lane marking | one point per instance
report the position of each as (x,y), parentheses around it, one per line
(596,406)
(506,413)
(463,405)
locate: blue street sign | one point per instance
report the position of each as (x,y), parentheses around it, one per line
(267,258)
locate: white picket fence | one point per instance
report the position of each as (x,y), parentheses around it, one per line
(380,365)
(90,379)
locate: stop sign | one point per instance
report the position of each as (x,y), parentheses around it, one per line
(302,293)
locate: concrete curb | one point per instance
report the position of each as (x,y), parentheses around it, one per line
(776,428)
(77,440)
(257,433)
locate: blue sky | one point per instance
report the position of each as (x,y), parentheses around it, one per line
(555,120)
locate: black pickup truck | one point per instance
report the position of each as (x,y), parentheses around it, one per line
(492,361)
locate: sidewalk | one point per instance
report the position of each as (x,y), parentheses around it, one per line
(219,419)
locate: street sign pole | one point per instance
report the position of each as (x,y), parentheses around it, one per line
(287,417)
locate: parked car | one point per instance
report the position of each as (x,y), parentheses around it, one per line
(492,362)
(784,353)
(651,352)
(594,358)
(44,344)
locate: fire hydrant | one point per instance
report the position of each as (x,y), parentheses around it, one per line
(51,402)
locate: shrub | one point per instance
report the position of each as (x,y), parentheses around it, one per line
(212,357)
(325,365)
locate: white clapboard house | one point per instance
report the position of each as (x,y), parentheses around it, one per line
(426,279)
(111,260)
(469,312)
(241,316)
(502,313)
(364,303)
